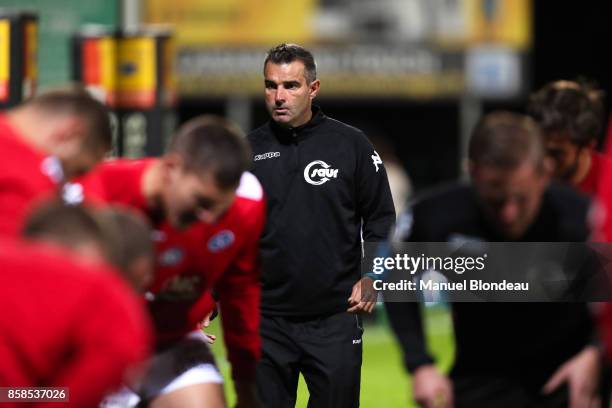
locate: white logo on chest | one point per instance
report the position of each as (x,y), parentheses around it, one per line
(319,172)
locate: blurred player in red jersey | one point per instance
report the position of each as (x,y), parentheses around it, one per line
(603,233)
(47,139)
(209,214)
(69,320)
(571,116)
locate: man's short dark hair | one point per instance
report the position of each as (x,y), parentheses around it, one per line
(570,109)
(122,235)
(78,102)
(213,144)
(66,225)
(130,236)
(287,53)
(506,140)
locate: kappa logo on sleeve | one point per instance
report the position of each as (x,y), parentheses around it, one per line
(318,172)
(376,160)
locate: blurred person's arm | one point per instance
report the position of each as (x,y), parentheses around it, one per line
(582,372)
(203,310)
(430,387)
(239,292)
(581,375)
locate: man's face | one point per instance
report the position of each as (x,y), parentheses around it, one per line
(288,95)
(191,197)
(510,199)
(564,154)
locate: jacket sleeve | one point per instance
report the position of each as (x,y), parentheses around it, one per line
(405,318)
(407,325)
(374,201)
(239,294)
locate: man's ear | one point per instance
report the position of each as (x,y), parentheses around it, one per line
(67,128)
(548,166)
(314,88)
(65,136)
(547,169)
(171,163)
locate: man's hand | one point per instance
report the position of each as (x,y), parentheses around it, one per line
(205,322)
(431,389)
(210,338)
(246,394)
(581,374)
(363,297)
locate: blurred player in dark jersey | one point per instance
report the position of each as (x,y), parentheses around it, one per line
(69,320)
(507,354)
(571,117)
(208,214)
(50,138)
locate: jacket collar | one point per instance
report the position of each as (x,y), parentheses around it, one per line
(296,134)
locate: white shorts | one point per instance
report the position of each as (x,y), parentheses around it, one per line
(201,374)
(205,373)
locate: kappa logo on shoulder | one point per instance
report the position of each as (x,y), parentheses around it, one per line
(318,172)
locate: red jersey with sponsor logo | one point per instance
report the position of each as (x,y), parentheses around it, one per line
(26,176)
(190,263)
(66,324)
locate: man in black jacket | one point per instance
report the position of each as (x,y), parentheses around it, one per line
(507,354)
(326,188)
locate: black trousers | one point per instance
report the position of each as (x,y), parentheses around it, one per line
(485,391)
(326,350)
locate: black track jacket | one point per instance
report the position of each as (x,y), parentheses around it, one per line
(324,183)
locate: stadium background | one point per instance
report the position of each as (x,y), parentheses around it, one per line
(415,73)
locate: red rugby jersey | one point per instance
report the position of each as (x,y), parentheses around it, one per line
(66,324)
(590,184)
(26,175)
(221,256)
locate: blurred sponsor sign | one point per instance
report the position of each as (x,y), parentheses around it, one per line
(386,48)
(234,22)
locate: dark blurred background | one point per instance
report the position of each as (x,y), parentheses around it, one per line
(424,112)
